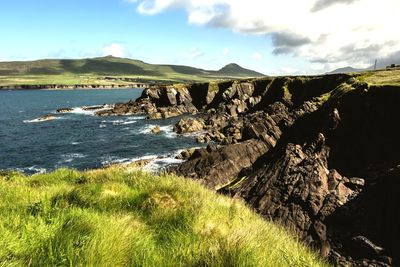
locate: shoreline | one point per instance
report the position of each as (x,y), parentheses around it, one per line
(72,87)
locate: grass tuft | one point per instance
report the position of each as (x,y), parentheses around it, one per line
(116,217)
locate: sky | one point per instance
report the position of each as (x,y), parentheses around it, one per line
(270,36)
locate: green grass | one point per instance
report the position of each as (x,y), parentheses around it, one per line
(93,70)
(121,217)
(383,77)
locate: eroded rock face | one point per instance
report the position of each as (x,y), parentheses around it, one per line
(319,155)
(215,167)
(157,102)
(327,177)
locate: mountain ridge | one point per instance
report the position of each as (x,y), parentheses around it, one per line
(69,70)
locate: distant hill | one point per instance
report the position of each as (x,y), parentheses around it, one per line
(236,70)
(113,66)
(381,64)
(345,70)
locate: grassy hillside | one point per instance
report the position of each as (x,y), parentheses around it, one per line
(116,217)
(94,71)
(382,77)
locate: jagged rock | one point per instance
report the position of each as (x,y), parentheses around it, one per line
(185,154)
(64,110)
(156,130)
(48,117)
(204,138)
(217,167)
(189,125)
(363,247)
(318,154)
(96,107)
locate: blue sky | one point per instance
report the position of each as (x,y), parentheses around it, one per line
(161,31)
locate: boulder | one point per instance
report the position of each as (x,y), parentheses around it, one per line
(215,168)
(64,110)
(156,130)
(189,125)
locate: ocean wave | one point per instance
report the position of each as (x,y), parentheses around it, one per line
(167,130)
(75,143)
(89,110)
(79,110)
(160,163)
(155,162)
(110,160)
(42,119)
(67,158)
(32,170)
(137,117)
(120,122)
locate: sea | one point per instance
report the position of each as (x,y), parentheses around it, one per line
(80,139)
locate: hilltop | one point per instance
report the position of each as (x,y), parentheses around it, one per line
(109,71)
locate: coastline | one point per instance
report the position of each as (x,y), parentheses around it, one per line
(72,87)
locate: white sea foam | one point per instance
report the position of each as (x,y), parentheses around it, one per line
(162,162)
(137,117)
(146,129)
(155,163)
(42,119)
(109,160)
(127,122)
(91,112)
(79,110)
(120,122)
(32,169)
(167,130)
(75,143)
(67,158)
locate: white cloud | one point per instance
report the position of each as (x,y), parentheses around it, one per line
(193,53)
(226,52)
(327,33)
(114,49)
(256,56)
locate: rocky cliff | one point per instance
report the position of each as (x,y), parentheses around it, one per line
(319,155)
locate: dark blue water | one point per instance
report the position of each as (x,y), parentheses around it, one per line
(79,139)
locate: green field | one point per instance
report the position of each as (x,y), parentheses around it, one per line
(126,217)
(382,77)
(94,71)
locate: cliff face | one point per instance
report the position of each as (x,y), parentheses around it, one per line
(320,155)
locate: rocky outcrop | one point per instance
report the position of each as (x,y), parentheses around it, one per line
(318,154)
(156,130)
(64,110)
(189,125)
(215,166)
(327,178)
(157,102)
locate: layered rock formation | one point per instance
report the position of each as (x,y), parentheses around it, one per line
(320,155)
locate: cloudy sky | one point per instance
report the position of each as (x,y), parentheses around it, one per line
(270,36)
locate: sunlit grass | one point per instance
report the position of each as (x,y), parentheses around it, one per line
(116,217)
(383,77)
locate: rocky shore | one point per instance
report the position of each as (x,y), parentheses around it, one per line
(319,155)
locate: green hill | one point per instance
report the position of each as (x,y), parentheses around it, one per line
(109,70)
(126,217)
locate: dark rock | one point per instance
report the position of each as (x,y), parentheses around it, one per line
(216,167)
(64,110)
(363,247)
